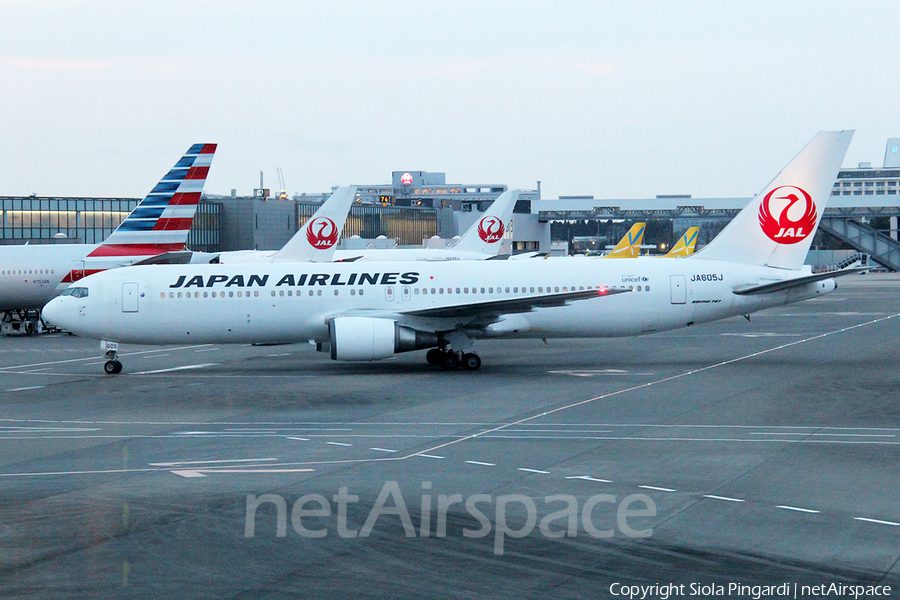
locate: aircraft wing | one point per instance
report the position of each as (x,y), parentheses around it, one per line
(796,282)
(476,314)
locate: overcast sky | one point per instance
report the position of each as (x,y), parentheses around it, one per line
(611,99)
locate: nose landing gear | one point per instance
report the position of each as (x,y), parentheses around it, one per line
(112,366)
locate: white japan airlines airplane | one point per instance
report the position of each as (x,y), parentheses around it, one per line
(317,240)
(370,311)
(33,274)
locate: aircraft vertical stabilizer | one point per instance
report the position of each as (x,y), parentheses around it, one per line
(685,244)
(319,236)
(778,226)
(487,233)
(161,222)
(630,245)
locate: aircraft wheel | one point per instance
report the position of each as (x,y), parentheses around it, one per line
(450,362)
(112,367)
(434,357)
(29,327)
(471,362)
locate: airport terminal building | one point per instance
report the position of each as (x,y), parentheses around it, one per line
(420,208)
(416,208)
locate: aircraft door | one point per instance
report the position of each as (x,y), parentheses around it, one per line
(389,294)
(679,289)
(129,297)
(405,294)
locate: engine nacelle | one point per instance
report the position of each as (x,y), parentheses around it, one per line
(367,338)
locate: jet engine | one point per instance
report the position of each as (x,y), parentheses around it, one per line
(367,338)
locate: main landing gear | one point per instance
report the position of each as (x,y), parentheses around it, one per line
(450,360)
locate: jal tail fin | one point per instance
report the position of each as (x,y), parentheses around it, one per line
(630,245)
(317,239)
(486,234)
(162,220)
(685,244)
(778,226)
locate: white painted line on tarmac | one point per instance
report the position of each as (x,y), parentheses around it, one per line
(31,387)
(483,464)
(798,509)
(881,435)
(153,356)
(644,386)
(428,455)
(533,471)
(339,444)
(26,429)
(878,521)
(183,368)
(726,498)
(189,473)
(589,478)
(209,462)
(594,372)
(658,489)
(300,439)
(73,360)
(382,450)
(761,335)
(207,472)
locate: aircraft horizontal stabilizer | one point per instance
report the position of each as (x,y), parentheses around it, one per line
(796,282)
(167,258)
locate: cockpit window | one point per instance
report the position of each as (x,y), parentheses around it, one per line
(78,292)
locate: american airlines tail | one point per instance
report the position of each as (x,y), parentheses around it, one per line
(630,245)
(486,235)
(685,244)
(777,227)
(319,236)
(161,222)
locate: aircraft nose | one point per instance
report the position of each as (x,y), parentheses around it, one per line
(50,312)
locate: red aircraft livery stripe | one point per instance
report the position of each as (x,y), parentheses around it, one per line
(172,224)
(184,199)
(197,173)
(135,249)
(75,275)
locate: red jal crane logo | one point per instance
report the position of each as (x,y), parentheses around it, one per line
(797,219)
(322,233)
(490,229)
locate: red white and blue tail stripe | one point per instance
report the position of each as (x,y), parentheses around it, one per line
(161,222)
